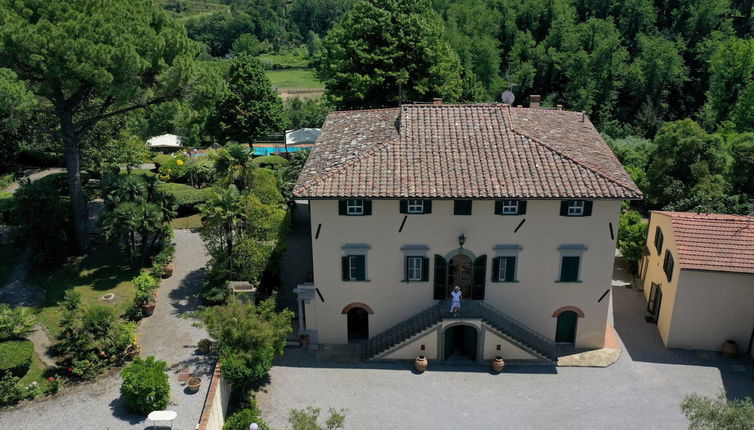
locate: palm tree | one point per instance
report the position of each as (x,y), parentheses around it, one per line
(233,165)
(15,323)
(224,219)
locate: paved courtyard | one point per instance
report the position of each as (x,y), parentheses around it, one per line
(643,389)
(166,334)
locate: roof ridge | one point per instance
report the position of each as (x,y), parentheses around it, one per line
(566,156)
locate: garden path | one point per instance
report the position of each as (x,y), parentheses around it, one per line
(169,334)
(38,174)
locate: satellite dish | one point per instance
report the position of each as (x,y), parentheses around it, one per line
(508,97)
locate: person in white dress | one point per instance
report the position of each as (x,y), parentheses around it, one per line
(455,304)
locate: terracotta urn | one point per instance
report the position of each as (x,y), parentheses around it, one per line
(730,349)
(498,364)
(148,309)
(194,383)
(421,363)
(169,268)
(304,341)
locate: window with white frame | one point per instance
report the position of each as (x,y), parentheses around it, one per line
(414,269)
(510,207)
(415,206)
(576,207)
(355,207)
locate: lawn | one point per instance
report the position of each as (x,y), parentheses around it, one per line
(37,372)
(188,222)
(298,78)
(103,271)
(192,8)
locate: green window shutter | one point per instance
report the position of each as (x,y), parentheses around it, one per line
(405,269)
(462,207)
(361,265)
(367,207)
(479,275)
(564,208)
(342,207)
(404,206)
(496,268)
(510,269)
(425,269)
(498,207)
(427,206)
(441,275)
(588,208)
(344,267)
(522,207)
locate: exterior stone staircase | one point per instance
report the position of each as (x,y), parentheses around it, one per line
(505,326)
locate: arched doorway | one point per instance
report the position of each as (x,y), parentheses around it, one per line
(460,272)
(565,331)
(460,342)
(358,324)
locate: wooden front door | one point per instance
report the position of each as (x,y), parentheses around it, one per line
(566,328)
(655,300)
(460,272)
(358,325)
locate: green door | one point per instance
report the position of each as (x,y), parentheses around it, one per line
(566,329)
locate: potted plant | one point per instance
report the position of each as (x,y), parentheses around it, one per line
(498,364)
(168,272)
(194,383)
(730,349)
(421,363)
(146,293)
(205,345)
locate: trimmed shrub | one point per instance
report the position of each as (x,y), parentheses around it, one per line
(37,158)
(200,171)
(145,385)
(270,161)
(16,356)
(161,159)
(187,197)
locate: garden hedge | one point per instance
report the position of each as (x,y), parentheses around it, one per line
(161,159)
(271,161)
(37,158)
(187,197)
(16,357)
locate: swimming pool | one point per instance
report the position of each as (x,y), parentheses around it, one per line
(269,150)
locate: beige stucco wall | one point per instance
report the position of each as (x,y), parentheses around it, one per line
(532,300)
(654,272)
(507,350)
(710,308)
(412,349)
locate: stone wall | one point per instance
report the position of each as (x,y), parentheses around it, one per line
(216,403)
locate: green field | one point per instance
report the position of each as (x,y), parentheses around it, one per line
(191,8)
(291,79)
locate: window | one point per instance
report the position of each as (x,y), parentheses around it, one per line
(415,206)
(658,240)
(569,268)
(462,207)
(414,268)
(667,265)
(504,269)
(354,267)
(575,208)
(510,207)
(355,207)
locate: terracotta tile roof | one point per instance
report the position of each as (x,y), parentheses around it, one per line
(462,151)
(722,243)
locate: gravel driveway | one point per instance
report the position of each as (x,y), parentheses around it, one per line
(166,334)
(643,389)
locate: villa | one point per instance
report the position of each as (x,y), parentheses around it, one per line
(518,207)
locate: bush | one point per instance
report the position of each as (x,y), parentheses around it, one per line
(161,159)
(200,171)
(145,286)
(270,161)
(187,198)
(145,385)
(6,206)
(245,417)
(15,323)
(11,392)
(174,169)
(37,158)
(16,357)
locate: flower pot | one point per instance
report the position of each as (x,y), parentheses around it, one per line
(194,383)
(730,349)
(169,268)
(421,363)
(304,341)
(204,345)
(148,309)
(498,364)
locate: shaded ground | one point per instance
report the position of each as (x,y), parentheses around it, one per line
(33,176)
(167,334)
(297,260)
(643,389)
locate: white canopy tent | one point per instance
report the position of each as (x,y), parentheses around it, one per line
(165,141)
(302,136)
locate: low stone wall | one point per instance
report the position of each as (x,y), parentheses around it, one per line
(216,403)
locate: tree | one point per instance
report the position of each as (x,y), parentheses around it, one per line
(248,337)
(731,69)
(251,107)
(85,62)
(632,237)
(382,52)
(704,413)
(233,165)
(684,156)
(742,152)
(17,323)
(224,222)
(146,386)
(307,419)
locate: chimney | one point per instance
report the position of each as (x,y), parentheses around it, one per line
(534,100)
(437,101)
